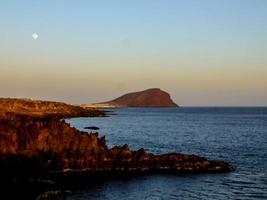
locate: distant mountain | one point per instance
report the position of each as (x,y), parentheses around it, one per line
(153,97)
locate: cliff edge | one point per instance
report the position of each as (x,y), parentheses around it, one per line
(63,149)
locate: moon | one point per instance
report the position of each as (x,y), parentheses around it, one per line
(35,36)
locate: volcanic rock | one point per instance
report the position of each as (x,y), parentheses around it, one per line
(62,149)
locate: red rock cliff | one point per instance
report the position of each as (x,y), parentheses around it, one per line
(77,150)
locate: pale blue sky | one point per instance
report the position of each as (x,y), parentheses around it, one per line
(204,52)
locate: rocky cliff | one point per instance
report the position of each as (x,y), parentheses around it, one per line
(148,98)
(35,144)
(67,149)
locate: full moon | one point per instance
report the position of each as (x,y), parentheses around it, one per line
(35,36)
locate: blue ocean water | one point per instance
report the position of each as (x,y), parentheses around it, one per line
(236,135)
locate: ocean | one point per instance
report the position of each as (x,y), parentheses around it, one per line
(237,135)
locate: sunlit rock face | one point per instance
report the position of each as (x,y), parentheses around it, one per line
(30,135)
(62,148)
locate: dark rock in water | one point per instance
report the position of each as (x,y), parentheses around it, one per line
(53,195)
(31,190)
(92,127)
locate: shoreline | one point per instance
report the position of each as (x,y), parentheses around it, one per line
(49,148)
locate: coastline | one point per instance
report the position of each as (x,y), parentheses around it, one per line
(55,151)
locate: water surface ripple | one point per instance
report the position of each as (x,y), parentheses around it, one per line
(236,135)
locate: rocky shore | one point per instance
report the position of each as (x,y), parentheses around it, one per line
(45,147)
(72,149)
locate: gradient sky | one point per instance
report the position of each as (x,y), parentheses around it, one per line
(203,52)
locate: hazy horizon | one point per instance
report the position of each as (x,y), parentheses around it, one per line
(204,53)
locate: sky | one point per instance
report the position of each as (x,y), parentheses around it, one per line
(203,52)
